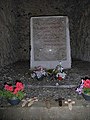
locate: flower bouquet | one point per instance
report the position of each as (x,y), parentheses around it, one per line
(84,88)
(38,73)
(13,91)
(58,72)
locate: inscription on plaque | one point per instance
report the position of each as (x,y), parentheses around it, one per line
(49,39)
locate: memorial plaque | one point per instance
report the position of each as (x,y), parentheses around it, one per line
(50,42)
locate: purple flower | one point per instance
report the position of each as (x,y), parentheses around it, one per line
(79,90)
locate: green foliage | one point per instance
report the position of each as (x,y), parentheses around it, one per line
(86,91)
(8,95)
(20,95)
(49,71)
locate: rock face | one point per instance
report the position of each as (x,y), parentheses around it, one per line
(8,34)
(15,26)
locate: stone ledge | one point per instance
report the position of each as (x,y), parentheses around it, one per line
(42,113)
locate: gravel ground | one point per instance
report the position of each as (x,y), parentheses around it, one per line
(20,71)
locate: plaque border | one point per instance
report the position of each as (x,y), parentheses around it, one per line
(51,64)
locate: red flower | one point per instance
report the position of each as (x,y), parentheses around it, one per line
(16,90)
(87,83)
(19,85)
(9,88)
(60,78)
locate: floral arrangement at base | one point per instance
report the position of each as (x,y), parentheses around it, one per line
(13,91)
(84,86)
(38,73)
(58,72)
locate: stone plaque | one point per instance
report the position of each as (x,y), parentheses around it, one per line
(50,42)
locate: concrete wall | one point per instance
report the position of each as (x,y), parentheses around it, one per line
(15,32)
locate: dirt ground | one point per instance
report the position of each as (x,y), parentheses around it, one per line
(21,71)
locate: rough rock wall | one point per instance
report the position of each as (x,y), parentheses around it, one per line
(78,12)
(80,32)
(15,21)
(8,33)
